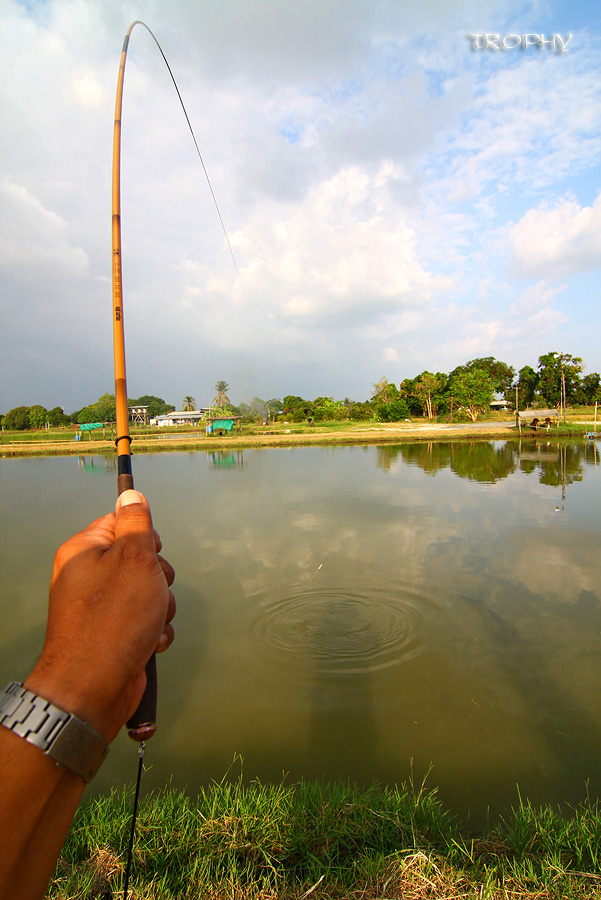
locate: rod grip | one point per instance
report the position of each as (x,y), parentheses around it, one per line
(142,724)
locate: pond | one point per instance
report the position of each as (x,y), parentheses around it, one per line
(364,611)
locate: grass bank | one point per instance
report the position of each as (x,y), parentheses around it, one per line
(292,842)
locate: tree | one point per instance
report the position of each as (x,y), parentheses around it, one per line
(296,409)
(326,409)
(85,416)
(37,416)
(527,384)
(472,389)
(16,419)
(384,391)
(56,416)
(221,398)
(156,405)
(502,374)
(189,404)
(591,387)
(274,407)
(104,408)
(429,387)
(394,411)
(556,370)
(408,394)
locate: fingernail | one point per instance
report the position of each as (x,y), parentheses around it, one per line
(129,497)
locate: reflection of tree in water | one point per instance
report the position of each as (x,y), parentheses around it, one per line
(430,456)
(565,468)
(489,461)
(483,461)
(477,460)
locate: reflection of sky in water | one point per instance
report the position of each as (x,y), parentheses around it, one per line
(347,609)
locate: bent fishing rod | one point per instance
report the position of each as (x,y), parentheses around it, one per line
(142,724)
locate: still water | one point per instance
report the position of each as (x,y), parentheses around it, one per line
(361,611)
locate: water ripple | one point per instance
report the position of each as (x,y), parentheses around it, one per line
(342,631)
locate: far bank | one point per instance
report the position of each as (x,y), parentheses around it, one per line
(50,444)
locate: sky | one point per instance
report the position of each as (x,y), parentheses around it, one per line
(397,196)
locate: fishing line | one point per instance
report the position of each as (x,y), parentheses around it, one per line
(133,820)
(138,22)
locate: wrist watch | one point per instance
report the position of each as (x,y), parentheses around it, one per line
(68,740)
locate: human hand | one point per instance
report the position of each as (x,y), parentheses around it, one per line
(110,608)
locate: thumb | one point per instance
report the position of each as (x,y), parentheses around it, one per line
(132,515)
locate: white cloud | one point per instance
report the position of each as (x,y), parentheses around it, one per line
(530,124)
(552,241)
(34,241)
(344,258)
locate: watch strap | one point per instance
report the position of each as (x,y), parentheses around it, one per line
(72,743)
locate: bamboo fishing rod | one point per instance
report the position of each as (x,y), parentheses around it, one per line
(142,725)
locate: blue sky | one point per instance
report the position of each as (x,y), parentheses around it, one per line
(396,199)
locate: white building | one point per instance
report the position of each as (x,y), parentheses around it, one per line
(184,417)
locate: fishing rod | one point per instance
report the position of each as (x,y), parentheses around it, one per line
(142,724)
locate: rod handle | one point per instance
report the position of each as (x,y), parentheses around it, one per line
(142,724)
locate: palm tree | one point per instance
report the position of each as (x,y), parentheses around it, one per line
(221,398)
(189,404)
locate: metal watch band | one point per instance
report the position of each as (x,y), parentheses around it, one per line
(69,741)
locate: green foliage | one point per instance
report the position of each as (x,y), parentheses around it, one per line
(528,382)
(221,398)
(16,419)
(591,388)
(156,405)
(101,411)
(395,411)
(551,366)
(85,415)
(502,375)
(473,390)
(275,406)
(189,404)
(105,408)
(37,416)
(57,417)
(384,391)
(326,409)
(429,389)
(296,409)
(360,412)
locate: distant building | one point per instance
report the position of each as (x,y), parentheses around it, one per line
(498,402)
(184,417)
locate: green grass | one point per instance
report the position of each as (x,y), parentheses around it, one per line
(39,434)
(322,840)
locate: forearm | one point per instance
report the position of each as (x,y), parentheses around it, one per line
(110,608)
(37,805)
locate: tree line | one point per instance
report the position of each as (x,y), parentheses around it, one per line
(103,410)
(466,392)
